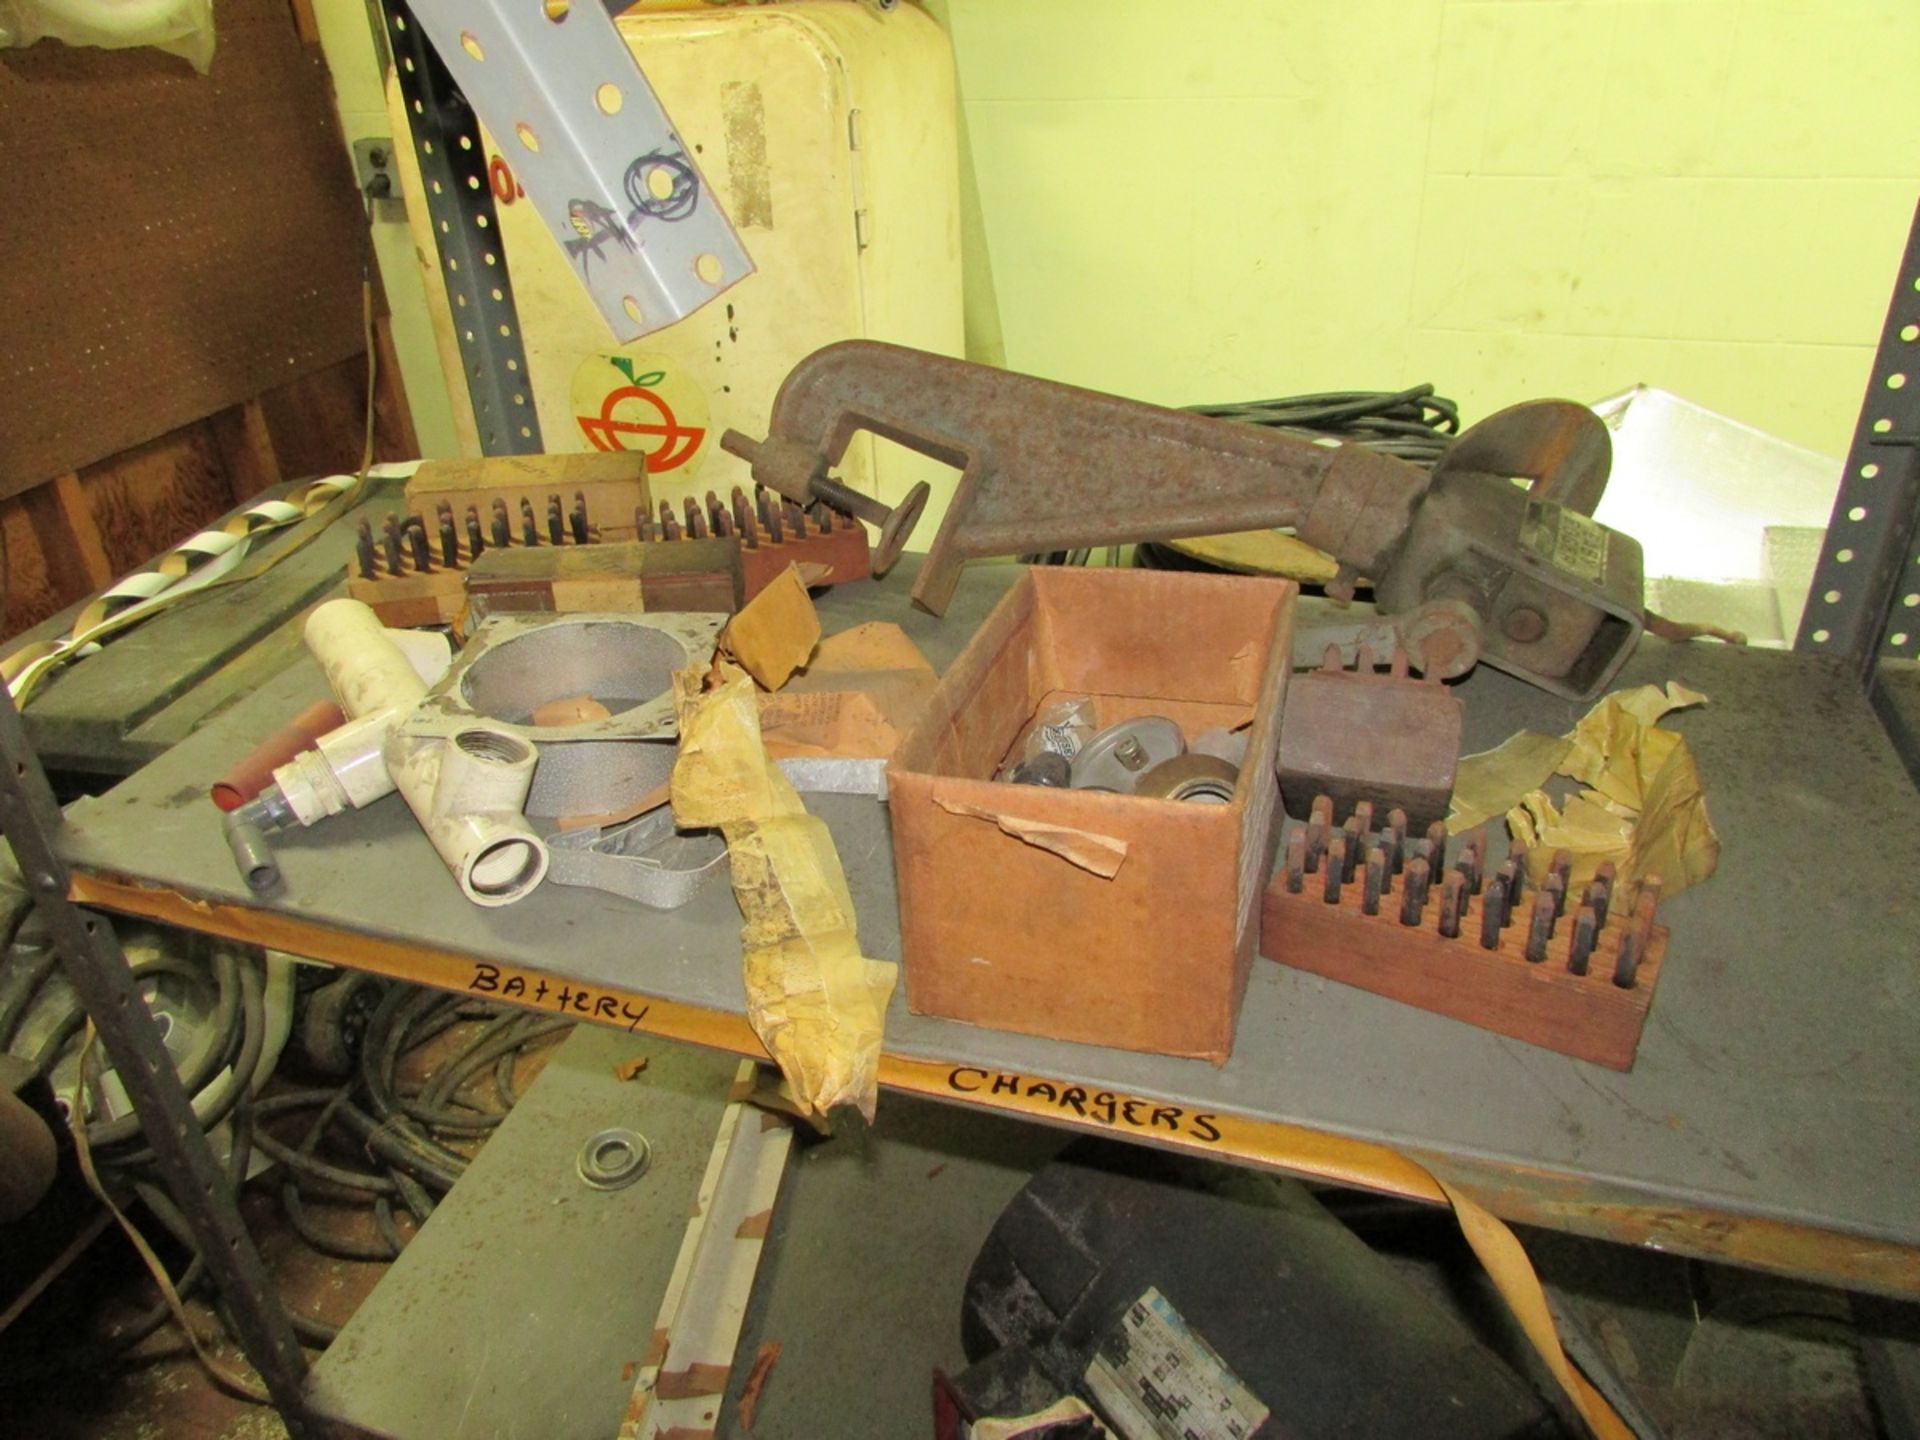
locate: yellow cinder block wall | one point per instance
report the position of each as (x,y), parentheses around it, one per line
(1511,198)
(1188,200)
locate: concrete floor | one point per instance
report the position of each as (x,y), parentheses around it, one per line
(861,1285)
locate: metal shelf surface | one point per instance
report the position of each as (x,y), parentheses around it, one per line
(1770,1119)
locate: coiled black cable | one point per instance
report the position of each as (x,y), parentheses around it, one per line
(1415,424)
(372,1116)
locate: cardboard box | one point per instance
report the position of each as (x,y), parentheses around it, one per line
(1111,919)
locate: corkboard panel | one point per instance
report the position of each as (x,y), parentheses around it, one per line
(171,243)
(31,593)
(155,495)
(318,421)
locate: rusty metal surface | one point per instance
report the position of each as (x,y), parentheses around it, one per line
(1441,638)
(1046,466)
(1357,736)
(1560,445)
(1559,596)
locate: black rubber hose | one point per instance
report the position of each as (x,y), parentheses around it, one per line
(239,1076)
(160,1205)
(394,1134)
(503,1079)
(413,1195)
(296,1212)
(519,1032)
(430,1106)
(357,1182)
(383,1222)
(57,1039)
(498,1042)
(354,1182)
(21,977)
(205,1060)
(437,1167)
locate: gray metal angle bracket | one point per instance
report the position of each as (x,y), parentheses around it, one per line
(460,193)
(597,154)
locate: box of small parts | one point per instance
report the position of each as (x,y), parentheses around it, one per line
(1110,918)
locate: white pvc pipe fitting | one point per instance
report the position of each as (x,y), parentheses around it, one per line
(467,791)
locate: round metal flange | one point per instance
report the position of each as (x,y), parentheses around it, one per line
(1119,755)
(1203,779)
(614,1159)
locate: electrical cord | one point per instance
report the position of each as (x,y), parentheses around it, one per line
(373,1116)
(1414,424)
(246,1386)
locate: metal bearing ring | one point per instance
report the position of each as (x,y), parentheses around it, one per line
(1204,779)
(1120,755)
(614,1159)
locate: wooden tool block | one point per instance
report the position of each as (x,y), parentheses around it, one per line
(1586,1016)
(844,552)
(683,575)
(613,487)
(411,599)
(831,548)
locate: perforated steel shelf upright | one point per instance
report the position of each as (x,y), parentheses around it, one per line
(1865,600)
(453,173)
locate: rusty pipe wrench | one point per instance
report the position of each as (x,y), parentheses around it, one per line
(1046,466)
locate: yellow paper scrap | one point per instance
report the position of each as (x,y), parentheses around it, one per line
(1643,809)
(817,1003)
(774,632)
(1489,784)
(1618,746)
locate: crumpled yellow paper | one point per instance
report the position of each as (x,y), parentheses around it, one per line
(817,1003)
(774,632)
(1643,809)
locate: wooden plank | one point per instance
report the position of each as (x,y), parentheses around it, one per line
(304,25)
(629,575)
(395,422)
(246,448)
(85,718)
(30,591)
(318,422)
(92,555)
(222,256)
(67,571)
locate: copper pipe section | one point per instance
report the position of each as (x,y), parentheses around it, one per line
(252,772)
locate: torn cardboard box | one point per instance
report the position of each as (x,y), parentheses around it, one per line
(1120,920)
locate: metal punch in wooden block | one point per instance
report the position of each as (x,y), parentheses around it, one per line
(1574,977)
